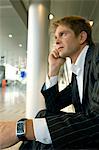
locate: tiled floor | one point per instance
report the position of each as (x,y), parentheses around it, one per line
(12,104)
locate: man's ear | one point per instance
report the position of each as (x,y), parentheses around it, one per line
(83,37)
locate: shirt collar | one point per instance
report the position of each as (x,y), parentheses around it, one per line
(79,64)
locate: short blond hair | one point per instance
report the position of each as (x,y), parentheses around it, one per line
(77,24)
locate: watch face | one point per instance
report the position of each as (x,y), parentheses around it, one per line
(20,128)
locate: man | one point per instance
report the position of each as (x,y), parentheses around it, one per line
(66,130)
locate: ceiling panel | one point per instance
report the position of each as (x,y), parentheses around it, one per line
(86,8)
(11,23)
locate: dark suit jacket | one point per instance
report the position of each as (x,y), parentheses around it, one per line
(80,129)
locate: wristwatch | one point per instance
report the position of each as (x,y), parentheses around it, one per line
(21,129)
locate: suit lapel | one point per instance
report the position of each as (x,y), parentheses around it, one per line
(86,71)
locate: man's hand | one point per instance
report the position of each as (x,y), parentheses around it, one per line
(8,133)
(55,62)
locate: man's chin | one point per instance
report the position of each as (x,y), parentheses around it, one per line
(63,57)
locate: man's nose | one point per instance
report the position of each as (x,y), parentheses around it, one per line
(57,41)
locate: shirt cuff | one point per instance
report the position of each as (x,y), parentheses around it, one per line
(51,82)
(41,131)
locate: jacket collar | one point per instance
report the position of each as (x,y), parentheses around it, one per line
(88,59)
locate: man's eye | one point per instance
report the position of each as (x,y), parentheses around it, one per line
(63,34)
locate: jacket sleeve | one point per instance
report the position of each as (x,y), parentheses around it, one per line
(74,130)
(56,100)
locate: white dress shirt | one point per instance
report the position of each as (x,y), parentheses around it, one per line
(78,69)
(40,126)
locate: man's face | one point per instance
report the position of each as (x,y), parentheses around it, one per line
(67,43)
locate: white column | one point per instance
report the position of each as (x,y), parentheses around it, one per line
(37,51)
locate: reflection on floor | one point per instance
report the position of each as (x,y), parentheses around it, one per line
(12,104)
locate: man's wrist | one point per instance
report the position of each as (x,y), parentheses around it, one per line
(24,129)
(29,130)
(53,71)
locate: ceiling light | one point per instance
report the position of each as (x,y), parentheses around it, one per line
(20,45)
(10,35)
(91,22)
(51,16)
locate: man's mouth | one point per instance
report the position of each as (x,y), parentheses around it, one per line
(60,48)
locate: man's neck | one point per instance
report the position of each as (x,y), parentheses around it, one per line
(75,56)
